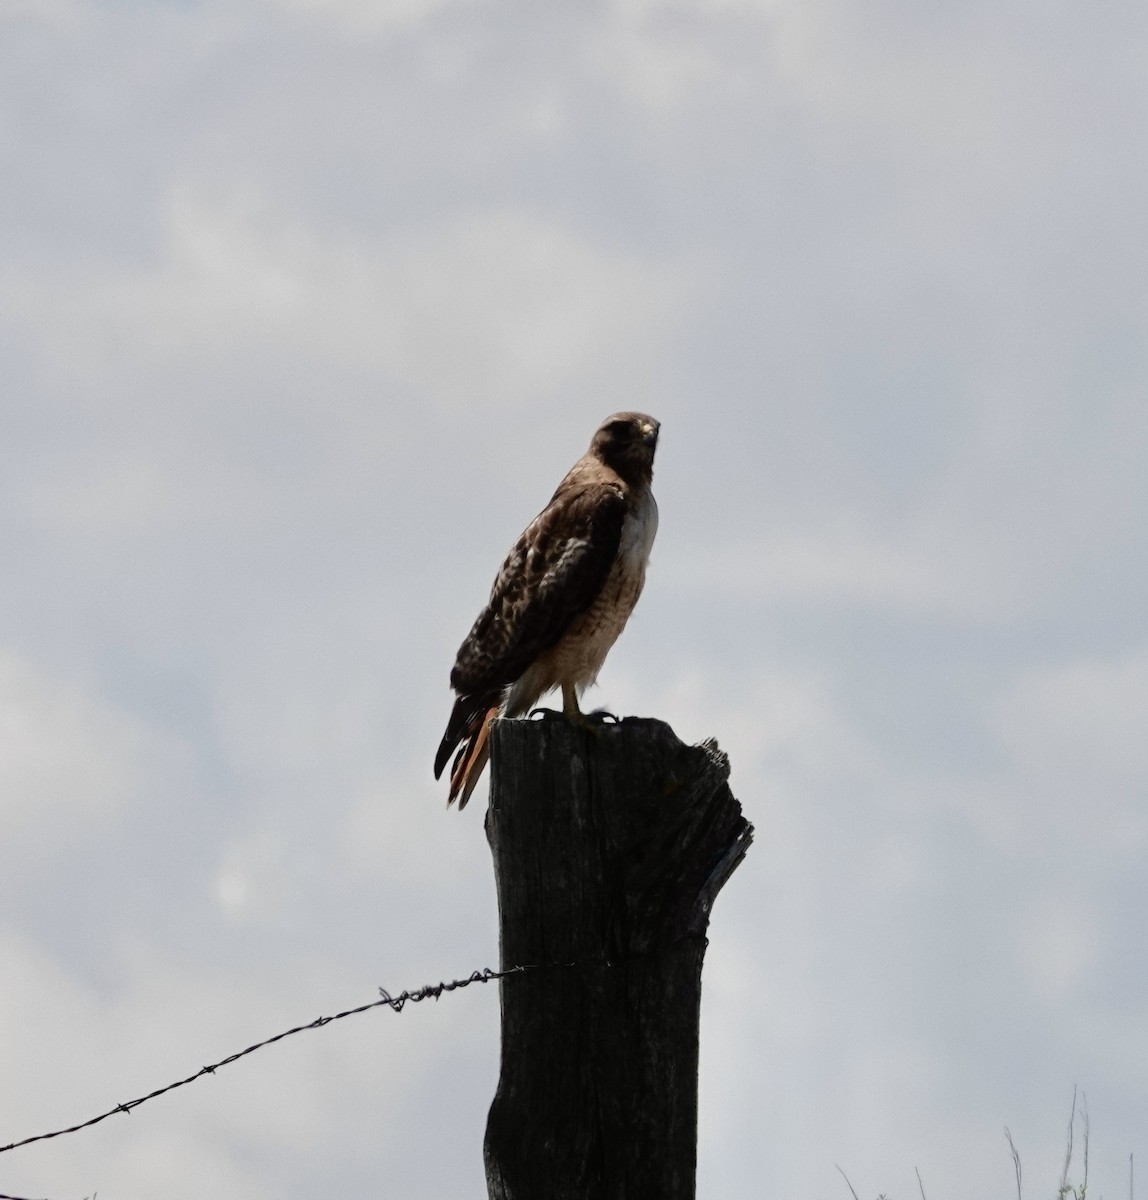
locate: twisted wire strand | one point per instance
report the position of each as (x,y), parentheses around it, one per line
(386,1000)
(5,1196)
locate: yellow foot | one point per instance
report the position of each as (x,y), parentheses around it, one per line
(570,710)
(591,721)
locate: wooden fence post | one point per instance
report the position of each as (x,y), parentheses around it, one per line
(609,849)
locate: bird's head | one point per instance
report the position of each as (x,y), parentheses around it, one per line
(626,442)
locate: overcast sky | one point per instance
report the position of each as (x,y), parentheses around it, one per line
(306,306)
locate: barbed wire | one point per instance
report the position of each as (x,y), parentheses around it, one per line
(5,1196)
(386,1000)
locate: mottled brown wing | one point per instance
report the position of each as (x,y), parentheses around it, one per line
(549,578)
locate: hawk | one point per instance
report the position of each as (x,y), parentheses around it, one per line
(560,599)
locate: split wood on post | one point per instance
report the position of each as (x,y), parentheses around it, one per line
(609,847)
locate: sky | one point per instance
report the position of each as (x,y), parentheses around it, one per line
(305,308)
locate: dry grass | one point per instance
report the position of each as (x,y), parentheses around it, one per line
(1068,1189)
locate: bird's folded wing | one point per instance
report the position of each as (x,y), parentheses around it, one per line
(550,577)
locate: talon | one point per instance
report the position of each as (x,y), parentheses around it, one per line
(591,722)
(547,714)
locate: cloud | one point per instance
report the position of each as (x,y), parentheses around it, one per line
(251,878)
(492,309)
(302,302)
(249,1130)
(67,756)
(1060,944)
(838,565)
(60,15)
(1074,735)
(360,18)
(1082,718)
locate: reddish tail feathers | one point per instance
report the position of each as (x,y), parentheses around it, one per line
(469,730)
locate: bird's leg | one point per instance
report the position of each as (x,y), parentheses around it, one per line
(570,709)
(574,714)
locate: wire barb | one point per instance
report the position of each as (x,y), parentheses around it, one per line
(5,1196)
(385,1000)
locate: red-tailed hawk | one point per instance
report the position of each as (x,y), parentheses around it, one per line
(560,599)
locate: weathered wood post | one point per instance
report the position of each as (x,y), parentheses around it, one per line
(609,849)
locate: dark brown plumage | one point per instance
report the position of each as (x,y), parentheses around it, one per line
(560,599)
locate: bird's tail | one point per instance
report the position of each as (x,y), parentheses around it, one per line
(469,730)
(470,760)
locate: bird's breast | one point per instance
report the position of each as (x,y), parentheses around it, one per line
(638,530)
(578,657)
